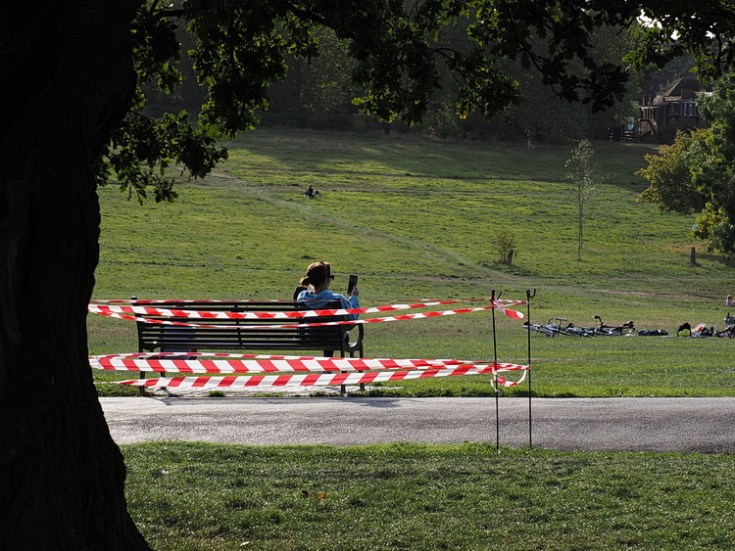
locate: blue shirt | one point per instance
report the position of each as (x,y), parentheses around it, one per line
(317,301)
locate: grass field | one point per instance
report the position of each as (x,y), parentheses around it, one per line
(413,496)
(418,219)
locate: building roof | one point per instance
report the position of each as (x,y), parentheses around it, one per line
(683,89)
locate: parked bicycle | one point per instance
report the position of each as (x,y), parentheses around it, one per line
(556,326)
(575,331)
(560,326)
(550,329)
(625,329)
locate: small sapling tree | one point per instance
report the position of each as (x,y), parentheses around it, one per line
(585,176)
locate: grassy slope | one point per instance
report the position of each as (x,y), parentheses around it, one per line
(418,219)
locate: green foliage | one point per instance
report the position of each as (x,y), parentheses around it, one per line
(143,149)
(584,172)
(713,170)
(318,84)
(704,30)
(585,176)
(696,173)
(669,174)
(155,50)
(566,28)
(402,55)
(239,51)
(432,497)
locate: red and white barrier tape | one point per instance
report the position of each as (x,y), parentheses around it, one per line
(316,379)
(297,314)
(176,301)
(254,300)
(502,306)
(402,317)
(203,314)
(188,363)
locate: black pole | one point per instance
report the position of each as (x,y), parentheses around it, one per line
(529,296)
(495,378)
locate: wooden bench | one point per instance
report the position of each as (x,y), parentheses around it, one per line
(227,334)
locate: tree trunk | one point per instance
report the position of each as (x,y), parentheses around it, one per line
(67,82)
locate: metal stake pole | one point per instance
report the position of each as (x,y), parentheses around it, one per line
(529,296)
(495,378)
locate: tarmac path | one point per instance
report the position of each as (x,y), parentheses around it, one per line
(634,424)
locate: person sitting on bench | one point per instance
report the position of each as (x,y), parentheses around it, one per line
(317,279)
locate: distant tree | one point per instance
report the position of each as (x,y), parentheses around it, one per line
(669,174)
(696,174)
(585,176)
(319,87)
(542,112)
(713,167)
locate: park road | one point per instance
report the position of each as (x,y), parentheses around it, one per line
(636,424)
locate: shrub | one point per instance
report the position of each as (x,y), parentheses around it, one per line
(505,245)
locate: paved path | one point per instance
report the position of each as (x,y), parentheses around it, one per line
(651,424)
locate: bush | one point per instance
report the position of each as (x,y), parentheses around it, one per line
(505,244)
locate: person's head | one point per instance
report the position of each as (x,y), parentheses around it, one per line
(318,275)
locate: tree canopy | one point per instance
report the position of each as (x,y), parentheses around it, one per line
(401,52)
(695,174)
(670,177)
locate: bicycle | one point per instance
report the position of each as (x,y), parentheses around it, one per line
(575,331)
(551,329)
(555,326)
(625,329)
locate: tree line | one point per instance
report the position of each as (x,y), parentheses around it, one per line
(319,93)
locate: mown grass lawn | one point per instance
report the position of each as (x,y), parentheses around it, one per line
(429,497)
(418,219)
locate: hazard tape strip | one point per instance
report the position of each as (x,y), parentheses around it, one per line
(298,314)
(176,301)
(202,314)
(402,317)
(186,363)
(502,306)
(316,379)
(254,300)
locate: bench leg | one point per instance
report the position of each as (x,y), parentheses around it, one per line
(141,389)
(362,385)
(141,375)
(329,354)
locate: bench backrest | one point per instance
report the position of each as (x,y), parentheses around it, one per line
(233,334)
